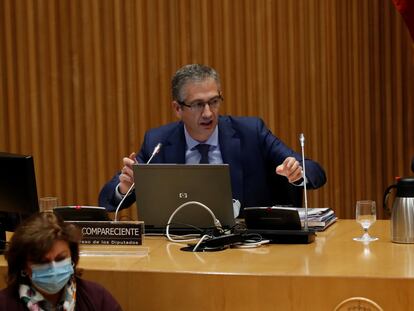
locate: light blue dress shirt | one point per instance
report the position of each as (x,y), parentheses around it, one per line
(192,156)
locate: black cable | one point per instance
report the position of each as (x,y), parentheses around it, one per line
(186,225)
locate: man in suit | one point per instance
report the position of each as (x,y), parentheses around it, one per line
(263,170)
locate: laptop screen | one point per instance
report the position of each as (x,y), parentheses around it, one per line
(161,188)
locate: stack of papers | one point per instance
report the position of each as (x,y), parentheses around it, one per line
(318,218)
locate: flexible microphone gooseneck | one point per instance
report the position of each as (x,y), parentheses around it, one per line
(302,145)
(154,152)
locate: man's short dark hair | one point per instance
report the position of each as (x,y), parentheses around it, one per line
(191,73)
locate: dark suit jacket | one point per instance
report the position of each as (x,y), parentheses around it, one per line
(249,148)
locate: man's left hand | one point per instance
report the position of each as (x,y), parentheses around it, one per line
(291,169)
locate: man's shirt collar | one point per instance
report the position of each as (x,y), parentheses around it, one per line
(191,143)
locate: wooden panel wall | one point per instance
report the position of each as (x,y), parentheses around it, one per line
(81,81)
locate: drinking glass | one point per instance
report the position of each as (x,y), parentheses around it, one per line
(366,215)
(47,204)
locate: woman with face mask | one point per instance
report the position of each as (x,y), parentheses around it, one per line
(42,274)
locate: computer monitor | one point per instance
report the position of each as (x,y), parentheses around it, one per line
(18,192)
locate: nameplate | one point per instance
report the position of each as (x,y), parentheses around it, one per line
(110,232)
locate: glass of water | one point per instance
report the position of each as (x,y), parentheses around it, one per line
(366,215)
(47,204)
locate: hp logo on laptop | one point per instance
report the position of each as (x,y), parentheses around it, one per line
(182,195)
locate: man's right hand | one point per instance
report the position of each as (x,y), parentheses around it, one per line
(126,179)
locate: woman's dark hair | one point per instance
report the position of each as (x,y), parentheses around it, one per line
(33,239)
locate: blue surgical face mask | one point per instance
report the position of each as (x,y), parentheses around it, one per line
(52,276)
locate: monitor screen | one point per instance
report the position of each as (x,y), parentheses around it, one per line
(18,192)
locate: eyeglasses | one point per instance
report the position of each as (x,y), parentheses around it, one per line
(198,105)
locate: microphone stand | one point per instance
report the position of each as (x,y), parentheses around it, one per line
(154,152)
(302,145)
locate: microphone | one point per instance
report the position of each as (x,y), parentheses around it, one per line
(302,145)
(154,152)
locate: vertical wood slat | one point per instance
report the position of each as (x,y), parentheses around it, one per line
(51,91)
(83,80)
(8,86)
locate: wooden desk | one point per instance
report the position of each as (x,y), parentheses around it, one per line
(315,276)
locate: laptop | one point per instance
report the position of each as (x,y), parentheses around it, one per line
(161,188)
